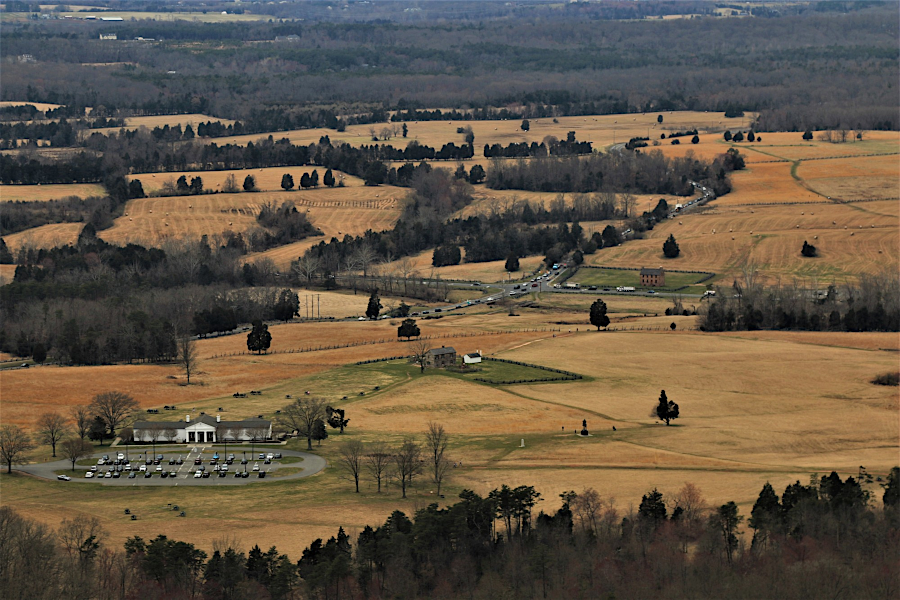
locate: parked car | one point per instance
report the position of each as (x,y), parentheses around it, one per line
(267,461)
(116,474)
(278,455)
(158,468)
(216,456)
(262,456)
(64,478)
(198,474)
(262,474)
(205,475)
(171,461)
(179,462)
(132,475)
(173,474)
(108,475)
(142,468)
(222,473)
(256,467)
(94,469)
(164,474)
(245,475)
(148,475)
(89,475)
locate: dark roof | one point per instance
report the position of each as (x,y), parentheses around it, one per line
(441,350)
(203,419)
(646,271)
(474,355)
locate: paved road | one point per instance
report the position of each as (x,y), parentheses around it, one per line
(310,465)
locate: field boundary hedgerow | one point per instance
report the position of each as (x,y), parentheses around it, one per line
(567,375)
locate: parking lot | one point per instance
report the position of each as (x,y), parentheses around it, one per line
(185,465)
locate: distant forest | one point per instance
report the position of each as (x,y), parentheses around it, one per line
(824,539)
(818,66)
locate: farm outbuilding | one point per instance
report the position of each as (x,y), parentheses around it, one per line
(205,429)
(472,358)
(441,357)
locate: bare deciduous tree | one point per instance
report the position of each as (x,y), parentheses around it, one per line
(74,449)
(82,417)
(51,427)
(586,506)
(436,440)
(301,416)
(114,407)
(420,350)
(81,538)
(187,356)
(307,266)
(14,443)
(352,454)
(407,463)
(378,461)
(170,433)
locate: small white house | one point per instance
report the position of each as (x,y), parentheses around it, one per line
(205,429)
(472,358)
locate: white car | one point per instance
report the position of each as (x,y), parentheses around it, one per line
(142,468)
(256,467)
(100,461)
(89,475)
(64,478)
(120,456)
(159,468)
(108,475)
(198,474)
(93,469)
(270,456)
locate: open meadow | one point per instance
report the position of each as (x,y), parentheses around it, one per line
(36,193)
(754,408)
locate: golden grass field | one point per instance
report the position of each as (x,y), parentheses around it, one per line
(267,180)
(336,211)
(490,272)
(34,193)
(756,407)
(602,130)
(45,236)
(42,106)
(159,121)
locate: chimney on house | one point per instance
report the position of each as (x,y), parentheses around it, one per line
(218,419)
(187,418)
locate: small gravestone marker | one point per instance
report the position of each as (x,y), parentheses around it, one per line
(522,445)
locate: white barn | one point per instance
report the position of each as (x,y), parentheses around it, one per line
(472,358)
(205,429)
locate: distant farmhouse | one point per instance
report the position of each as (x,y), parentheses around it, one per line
(109,36)
(440,357)
(653,277)
(203,430)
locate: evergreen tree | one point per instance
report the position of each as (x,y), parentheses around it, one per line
(598,314)
(695,139)
(808,135)
(610,237)
(374,306)
(808,250)
(666,410)
(287,182)
(477,174)
(249,183)
(314,179)
(405,130)
(670,247)
(6,257)
(727,136)
(652,508)
(196,185)
(765,518)
(319,431)
(305,181)
(512,263)
(408,329)
(259,339)
(328,178)
(525,125)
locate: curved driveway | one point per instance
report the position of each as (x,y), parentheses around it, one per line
(310,465)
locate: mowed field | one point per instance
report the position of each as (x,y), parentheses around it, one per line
(489,272)
(752,410)
(37,193)
(150,122)
(602,130)
(336,211)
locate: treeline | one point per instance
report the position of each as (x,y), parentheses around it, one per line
(551,146)
(634,172)
(804,543)
(147,154)
(870,304)
(57,133)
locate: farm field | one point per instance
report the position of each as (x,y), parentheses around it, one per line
(33,193)
(267,180)
(620,277)
(45,236)
(602,130)
(42,106)
(728,443)
(336,211)
(488,272)
(161,120)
